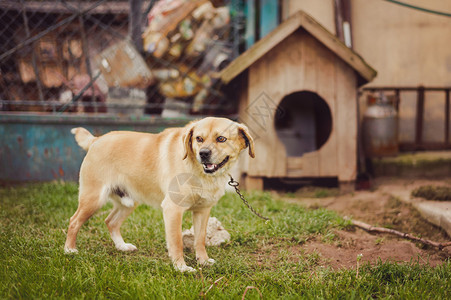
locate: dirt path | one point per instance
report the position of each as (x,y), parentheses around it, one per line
(380,207)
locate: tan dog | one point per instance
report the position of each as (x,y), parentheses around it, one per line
(178,169)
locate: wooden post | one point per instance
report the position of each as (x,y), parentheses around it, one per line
(397,100)
(446,118)
(419,118)
(33,53)
(339,19)
(134,23)
(347,23)
(84,45)
(343,21)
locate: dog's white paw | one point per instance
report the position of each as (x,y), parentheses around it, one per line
(185,268)
(126,247)
(208,262)
(70,250)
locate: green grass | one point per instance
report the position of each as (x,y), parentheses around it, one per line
(429,192)
(34,218)
(316,192)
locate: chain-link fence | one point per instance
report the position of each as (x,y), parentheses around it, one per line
(131,57)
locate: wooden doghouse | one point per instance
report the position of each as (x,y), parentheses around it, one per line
(298,96)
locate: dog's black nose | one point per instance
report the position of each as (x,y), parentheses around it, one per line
(204,153)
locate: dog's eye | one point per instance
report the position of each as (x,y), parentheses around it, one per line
(199,139)
(221,139)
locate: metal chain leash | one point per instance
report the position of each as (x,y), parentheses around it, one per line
(235,185)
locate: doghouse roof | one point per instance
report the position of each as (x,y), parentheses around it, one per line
(299,20)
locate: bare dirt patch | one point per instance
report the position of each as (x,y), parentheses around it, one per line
(348,245)
(380,207)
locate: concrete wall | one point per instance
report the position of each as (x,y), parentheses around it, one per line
(321,10)
(405,46)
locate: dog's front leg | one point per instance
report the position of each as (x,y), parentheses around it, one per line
(172,215)
(200,222)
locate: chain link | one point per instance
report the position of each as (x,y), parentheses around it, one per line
(235,185)
(74,36)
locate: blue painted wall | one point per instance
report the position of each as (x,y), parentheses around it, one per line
(249,11)
(41,147)
(269,16)
(261,16)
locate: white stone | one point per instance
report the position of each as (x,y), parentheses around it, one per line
(216,234)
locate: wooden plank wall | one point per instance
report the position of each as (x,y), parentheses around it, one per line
(346,127)
(264,93)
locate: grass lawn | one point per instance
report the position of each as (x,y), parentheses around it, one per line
(34,219)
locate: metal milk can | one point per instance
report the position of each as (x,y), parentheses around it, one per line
(380,127)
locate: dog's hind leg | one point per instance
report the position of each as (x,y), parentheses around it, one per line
(114,222)
(87,206)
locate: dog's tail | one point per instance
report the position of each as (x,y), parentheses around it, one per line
(83,137)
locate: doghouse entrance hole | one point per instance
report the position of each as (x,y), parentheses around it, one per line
(304,123)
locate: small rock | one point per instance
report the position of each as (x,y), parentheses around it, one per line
(216,234)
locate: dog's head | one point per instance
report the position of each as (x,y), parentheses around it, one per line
(215,143)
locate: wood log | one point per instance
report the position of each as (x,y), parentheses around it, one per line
(408,236)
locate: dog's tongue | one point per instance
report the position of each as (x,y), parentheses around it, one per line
(210,166)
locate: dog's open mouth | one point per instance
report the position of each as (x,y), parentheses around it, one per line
(211,168)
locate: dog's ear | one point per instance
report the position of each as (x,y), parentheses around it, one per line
(243,132)
(187,139)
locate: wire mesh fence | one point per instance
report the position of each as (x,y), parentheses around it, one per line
(129,57)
